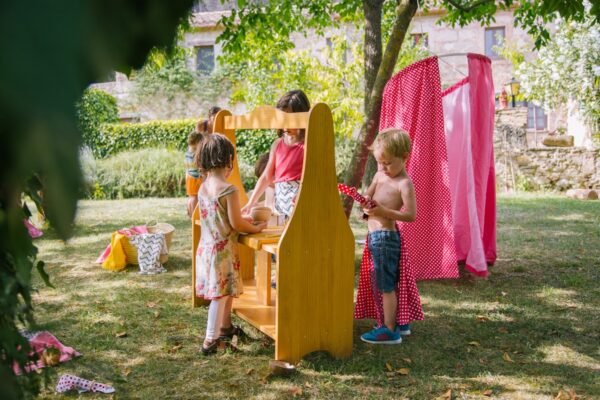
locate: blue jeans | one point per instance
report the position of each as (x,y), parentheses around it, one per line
(385,252)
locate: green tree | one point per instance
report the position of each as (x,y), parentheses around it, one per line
(52,52)
(263,28)
(567,68)
(95,107)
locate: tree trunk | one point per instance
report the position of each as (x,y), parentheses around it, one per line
(372,45)
(372,54)
(404,14)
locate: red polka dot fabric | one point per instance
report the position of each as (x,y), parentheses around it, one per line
(369,303)
(412,101)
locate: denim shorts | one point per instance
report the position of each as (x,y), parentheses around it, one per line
(385,252)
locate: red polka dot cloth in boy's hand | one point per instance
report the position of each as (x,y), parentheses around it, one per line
(412,101)
(369,303)
(352,192)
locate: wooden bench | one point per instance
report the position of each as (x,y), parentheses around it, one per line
(312,307)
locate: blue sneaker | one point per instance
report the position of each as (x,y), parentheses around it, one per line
(381,335)
(403,330)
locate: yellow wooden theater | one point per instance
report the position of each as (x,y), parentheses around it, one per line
(312,307)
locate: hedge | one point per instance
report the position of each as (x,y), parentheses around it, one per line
(115,138)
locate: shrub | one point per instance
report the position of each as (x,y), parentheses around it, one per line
(344,146)
(141,173)
(163,134)
(251,144)
(93,109)
(247,173)
(89,169)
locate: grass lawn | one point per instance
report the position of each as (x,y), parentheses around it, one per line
(531,330)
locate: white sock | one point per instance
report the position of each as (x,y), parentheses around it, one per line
(215,318)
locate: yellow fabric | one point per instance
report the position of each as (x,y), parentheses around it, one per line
(116,259)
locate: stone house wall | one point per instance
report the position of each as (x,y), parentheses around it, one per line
(521,167)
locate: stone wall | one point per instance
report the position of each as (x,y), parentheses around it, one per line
(519,167)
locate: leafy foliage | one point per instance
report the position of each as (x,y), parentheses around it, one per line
(534,16)
(95,107)
(568,67)
(167,134)
(251,144)
(57,49)
(258,35)
(334,77)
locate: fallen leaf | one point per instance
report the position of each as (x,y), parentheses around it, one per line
(476,344)
(127,371)
(446,396)
(308,385)
(563,395)
(296,391)
(175,348)
(150,304)
(390,374)
(249,371)
(156,314)
(407,360)
(503,293)
(404,371)
(483,361)
(121,334)
(389,366)
(488,392)
(503,329)
(482,318)
(506,357)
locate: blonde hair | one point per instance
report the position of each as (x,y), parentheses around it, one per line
(393,142)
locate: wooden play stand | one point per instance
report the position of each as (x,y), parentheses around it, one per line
(311,309)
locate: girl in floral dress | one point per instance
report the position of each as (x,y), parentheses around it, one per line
(217,263)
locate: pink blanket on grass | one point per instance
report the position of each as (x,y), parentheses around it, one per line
(40,341)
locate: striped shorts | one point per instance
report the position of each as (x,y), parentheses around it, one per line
(285,197)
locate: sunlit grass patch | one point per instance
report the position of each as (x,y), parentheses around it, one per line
(528,331)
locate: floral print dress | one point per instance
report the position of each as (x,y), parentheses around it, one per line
(217,259)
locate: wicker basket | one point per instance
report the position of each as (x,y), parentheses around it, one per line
(155,227)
